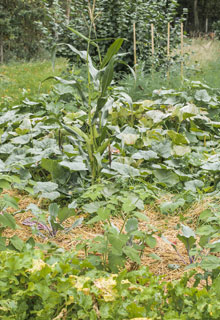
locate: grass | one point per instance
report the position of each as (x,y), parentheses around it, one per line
(202,62)
(204,58)
(21,80)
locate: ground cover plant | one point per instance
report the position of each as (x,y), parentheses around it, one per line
(106,174)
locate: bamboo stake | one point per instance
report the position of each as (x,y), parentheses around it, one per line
(135,48)
(181,50)
(168,50)
(152,45)
(152,39)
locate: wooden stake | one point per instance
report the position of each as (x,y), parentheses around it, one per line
(168,49)
(206,25)
(152,39)
(181,50)
(135,47)
(152,46)
(168,40)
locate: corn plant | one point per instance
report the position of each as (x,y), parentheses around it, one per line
(94,138)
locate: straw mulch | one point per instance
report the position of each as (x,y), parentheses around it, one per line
(165,225)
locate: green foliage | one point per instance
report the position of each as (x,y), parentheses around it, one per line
(117,244)
(112,19)
(216,29)
(53,283)
(19,35)
(6,219)
(77,135)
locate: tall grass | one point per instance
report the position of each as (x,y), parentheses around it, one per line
(204,57)
(202,63)
(20,80)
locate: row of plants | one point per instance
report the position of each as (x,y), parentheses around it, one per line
(83,132)
(57,285)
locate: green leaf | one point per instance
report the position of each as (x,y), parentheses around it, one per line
(103,213)
(74,165)
(115,261)
(187,241)
(50,195)
(156,115)
(171,206)
(64,213)
(187,231)
(202,95)
(215,246)
(34,209)
(117,244)
(146,155)
(112,50)
(181,150)
(128,205)
(86,57)
(77,132)
(53,210)
(205,230)
(79,34)
(58,173)
(135,311)
(45,187)
(7,220)
(193,185)
(155,256)
(17,243)
(72,83)
(93,206)
(210,263)
(132,254)
(22,139)
(11,201)
(124,169)
(167,177)
(151,241)
(177,138)
(212,166)
(131,225)
(2,244)
(141,216)
(205,215)
(76,224)
(4,184)
(107,77)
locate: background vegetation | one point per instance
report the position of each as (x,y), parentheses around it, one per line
(105,176)
(28,29)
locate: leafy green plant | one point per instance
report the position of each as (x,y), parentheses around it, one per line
(6,219)
(95,138)
(201,245)
(111,249)
(51,282)
(53,222)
